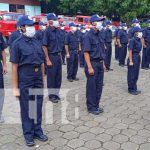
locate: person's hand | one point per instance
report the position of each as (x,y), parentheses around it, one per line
(120,45)
(16,92)
(4,70)
(104,66)
(144,46)
(131,63)
(91,71)
(68,55)
(49,63)
(116,43)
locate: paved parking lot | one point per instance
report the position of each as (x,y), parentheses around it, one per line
(125,124)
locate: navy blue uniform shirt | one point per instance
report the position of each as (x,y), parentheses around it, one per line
(62,34)
(72,40)
(135,44)
(91,44)
(52,40)
(14,36)
(102,35)
(130,33)
(39,36)
(108,36)
(27,51)
(123,36)
(3,45)
(146,34)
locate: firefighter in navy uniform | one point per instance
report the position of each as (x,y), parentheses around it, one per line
(3,71)
(81,54)
(116,42)
(72,48)
(39,36)
(146,47)
(53,48)
(108,43)
(94,67)
(134,60)
(63,53)
(40,33)
(27,59)
(14,35)
(135,23)
(122,39)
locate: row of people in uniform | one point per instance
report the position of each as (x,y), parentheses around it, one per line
(28,55)
(122,37)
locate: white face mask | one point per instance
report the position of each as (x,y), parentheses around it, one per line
(62,28)
(110,27)
(125,28)
(137,25)
(104,28)
(30,31)
(74,29)
(83,31)
(120,27)
(99,26)
(43,27)
(140,34)
(56,24)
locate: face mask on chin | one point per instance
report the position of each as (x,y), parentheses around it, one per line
(30,31)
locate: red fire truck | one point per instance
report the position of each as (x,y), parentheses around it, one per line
(82,20)
(8,22)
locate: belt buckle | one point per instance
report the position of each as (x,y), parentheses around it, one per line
(36,69)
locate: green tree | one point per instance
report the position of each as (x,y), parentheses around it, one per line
(126,9)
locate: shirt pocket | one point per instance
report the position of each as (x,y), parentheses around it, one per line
(95,44)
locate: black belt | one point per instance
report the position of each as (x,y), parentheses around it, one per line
(55,54)
(33,67)
(97,60)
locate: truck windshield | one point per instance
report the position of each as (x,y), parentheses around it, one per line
(11,17)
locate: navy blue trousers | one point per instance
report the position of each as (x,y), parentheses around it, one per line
(54,75)
(116,52)
(81,59)
(133,73)
(122,54)
(31,119)
(108,55)
(146,57)
(94,86)
(72,65)
(1,88)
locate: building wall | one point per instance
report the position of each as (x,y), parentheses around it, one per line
(30,10)
(21,2)
(4,7)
